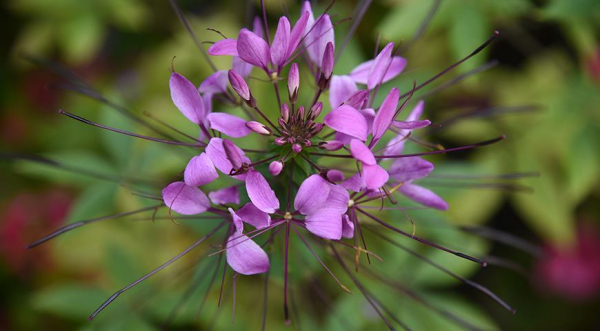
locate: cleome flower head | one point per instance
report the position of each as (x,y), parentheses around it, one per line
(320,167)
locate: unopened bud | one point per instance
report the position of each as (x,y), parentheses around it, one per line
(316,129)
(335,176)
(315,111)
(285,112)
(301,112)
(280,141)
(328,61)
(233,154)
(307,143)
(293,82)
(258,128)
(240,87)
(275,168)
(296,148)
(331,145)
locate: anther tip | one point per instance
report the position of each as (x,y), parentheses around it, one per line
(513,311)
(496,33)
(484,264)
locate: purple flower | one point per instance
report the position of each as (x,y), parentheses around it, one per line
(243,254)
(318,34)
(323,204)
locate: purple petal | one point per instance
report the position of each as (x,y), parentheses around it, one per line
(200,171)
(240,66)
(360,74)
(253,49)
(338,199)
(257,27)
(369,114)
(328,60)
(340,88)
(307,10)
(185,199)
(326,223)
(316,40)
(260,193)
(410,168)
(244,256)
(358,99)
(354,183)
(298,32)
(385,114)
(361,152)
(279,47)
(423,196)
(216,152)
(347,227)
(224,47)
(215,83)
(237,221)
(254,216)
(381,65)
(396,145)
(230,125)
(312,194)
(374,176)
(186,98)
(411,125)
(225,195)
(348,120)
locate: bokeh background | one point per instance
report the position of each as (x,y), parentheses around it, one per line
(542,91)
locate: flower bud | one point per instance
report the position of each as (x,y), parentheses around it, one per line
(239,86)
(331,145)
(285,112)
(335,176)
(293,82)
(280,141)
(275,168)
(328,61)
(301,113)
(315,111)
(296,148)
(258,128)
(233,154)
(316,129)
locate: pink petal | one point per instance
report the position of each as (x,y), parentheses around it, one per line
(347,227)
(297,33)
(411,125)
(354,183)
(185,199)
(253,49)
(245,256)
(348,120)
(325,223)
(260,193)
(215,83)
(217,155)
(358,99)
(338,199)
(423,196)
(385,114)
(281,40)
(341,87)
(224,47)
(254,216)
(237,221)
(374,176)
(312,194)
(228,124)
(381,65)
(396,145)
(240,66)
(307,10)
(316,40)
(200,171)
(335,176)
(360,74)
(186,98)
(361,152)
(410,168)
(225,195)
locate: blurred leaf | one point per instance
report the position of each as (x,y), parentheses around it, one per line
(470,29)
(81,37)
(68,300)
(118,145)
(96,200)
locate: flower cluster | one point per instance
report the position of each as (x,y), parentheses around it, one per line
(322,199)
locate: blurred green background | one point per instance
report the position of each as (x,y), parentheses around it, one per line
(543,93)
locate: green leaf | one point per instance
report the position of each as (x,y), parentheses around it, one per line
(68,300)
